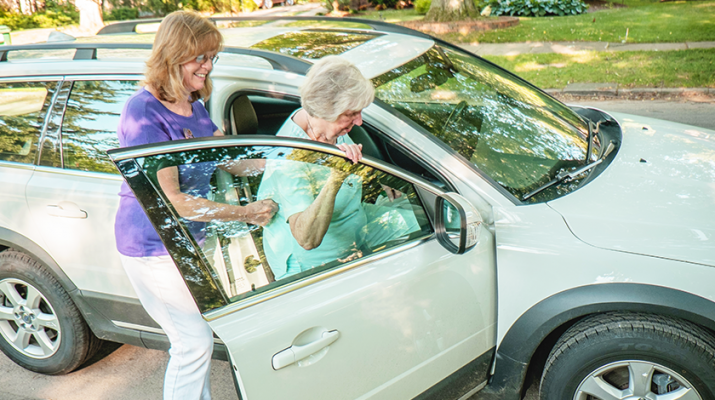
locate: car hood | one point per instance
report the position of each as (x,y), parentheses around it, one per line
(656,198)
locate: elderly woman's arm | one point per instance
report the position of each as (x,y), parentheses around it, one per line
(309,227)
(203,210)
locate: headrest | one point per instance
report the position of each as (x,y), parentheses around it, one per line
(245,121)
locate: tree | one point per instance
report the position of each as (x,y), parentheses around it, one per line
(90,15)
(451,10)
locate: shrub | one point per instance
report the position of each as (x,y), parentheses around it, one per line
(121,14)
(52,16)
(536,8)
(422,6)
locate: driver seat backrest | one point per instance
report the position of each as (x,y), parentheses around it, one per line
(243,116)
(360,136)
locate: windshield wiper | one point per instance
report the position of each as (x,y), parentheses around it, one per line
(564,175)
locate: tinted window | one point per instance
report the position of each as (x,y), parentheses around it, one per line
(242,259)
(23,107)
(516,134)
(89,127)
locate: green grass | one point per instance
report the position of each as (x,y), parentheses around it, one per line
(650,23)
(686,68)
(647,22)
(390,15)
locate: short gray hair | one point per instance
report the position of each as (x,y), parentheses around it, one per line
(333,86)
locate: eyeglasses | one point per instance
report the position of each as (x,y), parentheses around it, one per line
(202,59)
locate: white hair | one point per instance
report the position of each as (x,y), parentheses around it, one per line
(333,86)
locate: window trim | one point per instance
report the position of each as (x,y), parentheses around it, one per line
(125,159)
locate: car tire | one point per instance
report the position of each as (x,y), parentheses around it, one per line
(596,358)
(289,2)
(267,4)
(41,329)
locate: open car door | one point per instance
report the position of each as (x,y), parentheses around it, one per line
(391,316)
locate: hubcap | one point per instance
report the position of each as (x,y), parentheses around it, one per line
(635,380)
(27,320)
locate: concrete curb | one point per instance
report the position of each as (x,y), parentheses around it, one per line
(613,91)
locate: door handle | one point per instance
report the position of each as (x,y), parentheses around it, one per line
(295,353)
(66,209)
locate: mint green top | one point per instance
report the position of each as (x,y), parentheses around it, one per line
(294,185)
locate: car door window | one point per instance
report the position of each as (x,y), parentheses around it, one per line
(373,212)
(89,126)
(23,108)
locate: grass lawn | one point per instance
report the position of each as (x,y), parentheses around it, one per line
(646,21)
(685,68)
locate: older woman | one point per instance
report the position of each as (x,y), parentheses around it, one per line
(166,108)
(321,217)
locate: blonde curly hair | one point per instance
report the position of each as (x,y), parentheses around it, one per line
(182,36)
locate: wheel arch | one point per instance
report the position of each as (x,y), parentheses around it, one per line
(528,341)
(11,239)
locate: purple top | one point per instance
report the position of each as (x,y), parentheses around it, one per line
(145,120)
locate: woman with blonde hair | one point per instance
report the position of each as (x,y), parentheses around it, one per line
(167,108)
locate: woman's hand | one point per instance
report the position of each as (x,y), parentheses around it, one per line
(352,151)
(261,212)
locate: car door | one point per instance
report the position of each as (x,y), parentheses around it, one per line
(72,195)
(384,312)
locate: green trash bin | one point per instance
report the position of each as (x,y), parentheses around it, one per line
(5,32)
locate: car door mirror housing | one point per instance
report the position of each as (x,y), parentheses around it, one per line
(457,223)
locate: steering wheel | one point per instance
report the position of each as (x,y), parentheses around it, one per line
(454,114)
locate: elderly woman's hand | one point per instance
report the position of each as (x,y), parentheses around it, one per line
(261,212)
(352,151)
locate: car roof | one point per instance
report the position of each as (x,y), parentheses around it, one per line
(290,44)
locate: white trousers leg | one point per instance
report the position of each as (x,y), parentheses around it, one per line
(164,295)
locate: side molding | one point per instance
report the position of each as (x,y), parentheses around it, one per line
(563,309)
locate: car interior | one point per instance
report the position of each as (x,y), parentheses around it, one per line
(257,113)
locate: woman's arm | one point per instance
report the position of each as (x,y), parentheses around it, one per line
(309,227)
(203,210)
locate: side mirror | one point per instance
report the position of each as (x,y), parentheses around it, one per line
(457,224)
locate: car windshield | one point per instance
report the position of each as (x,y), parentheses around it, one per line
(511,131)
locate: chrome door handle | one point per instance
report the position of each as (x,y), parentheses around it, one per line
(66,209)
(295,353)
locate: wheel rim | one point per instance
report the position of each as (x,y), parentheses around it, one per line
(635,380)
(27,320)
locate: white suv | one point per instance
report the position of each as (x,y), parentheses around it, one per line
(556,243)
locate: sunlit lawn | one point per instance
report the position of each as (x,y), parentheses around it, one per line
(646,21)
(686,68)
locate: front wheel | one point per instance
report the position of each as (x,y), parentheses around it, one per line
(267,4)
(631,356)
(40,327)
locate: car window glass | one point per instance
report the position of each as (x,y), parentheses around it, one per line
(516,134)
(89,127)
(373,212)
(23,107)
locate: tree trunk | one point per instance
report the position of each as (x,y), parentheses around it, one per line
(451,10)
(90,15)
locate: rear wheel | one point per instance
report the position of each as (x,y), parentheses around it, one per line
(631,356)
(40,327)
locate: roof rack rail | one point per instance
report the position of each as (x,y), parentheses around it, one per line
(88,51)
(130,26)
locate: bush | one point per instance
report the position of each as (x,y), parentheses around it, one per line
(422,6)
(536,8)
(52,16)
(121,14)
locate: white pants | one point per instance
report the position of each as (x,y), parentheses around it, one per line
(164,295)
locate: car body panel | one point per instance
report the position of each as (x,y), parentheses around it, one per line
(403,325)
(95,268)
(656,198)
